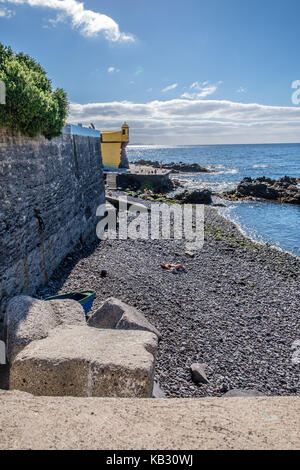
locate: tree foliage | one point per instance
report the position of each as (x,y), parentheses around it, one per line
(32,107)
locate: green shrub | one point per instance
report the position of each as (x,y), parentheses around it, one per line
(32,107)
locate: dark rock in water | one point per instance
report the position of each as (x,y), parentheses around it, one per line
(186,168)
(177,184)
(283,190)
(236,392)
(175,167)
(198,374)
(195,197)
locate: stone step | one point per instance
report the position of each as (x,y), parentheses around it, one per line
(268,423)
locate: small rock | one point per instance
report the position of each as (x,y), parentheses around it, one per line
(223,388)
(190,254)
(198,373)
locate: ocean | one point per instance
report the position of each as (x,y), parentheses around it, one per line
(276,224)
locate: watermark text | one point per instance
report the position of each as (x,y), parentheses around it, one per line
(296,94)
(159,222)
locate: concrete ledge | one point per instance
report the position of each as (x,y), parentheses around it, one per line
(28,422)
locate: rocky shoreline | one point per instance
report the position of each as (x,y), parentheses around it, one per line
(235,309)
(284,190)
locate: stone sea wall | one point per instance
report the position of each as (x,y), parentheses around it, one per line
(49,192)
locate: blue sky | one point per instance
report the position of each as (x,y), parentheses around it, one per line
(178,72)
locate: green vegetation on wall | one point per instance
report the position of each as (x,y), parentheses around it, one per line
(32,107)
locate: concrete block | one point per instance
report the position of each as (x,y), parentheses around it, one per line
(28,319)
(88,362)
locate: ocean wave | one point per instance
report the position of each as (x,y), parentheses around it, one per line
(261,166)
(233,171)
(216,186)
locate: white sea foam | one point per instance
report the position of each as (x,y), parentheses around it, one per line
(233,171)
(216,186)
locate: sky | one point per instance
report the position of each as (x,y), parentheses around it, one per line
(179,72)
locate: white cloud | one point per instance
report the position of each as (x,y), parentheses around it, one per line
(88,22)
(182,121)
(200,90)
(241,90)
(113,70)
(170,87)
(6,13)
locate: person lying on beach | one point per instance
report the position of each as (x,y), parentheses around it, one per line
(172,267)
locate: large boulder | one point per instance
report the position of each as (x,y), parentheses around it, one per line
(87,362)
(28,319)
(261,188)
(115,314)
(67,312)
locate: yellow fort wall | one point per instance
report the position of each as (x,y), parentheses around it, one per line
(111,136)
(111,154)
(111,146)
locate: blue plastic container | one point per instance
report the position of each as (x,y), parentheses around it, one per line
(85,298)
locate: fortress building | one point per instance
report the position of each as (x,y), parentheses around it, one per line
(113,148)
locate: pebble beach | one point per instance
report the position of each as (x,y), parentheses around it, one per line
(236,309)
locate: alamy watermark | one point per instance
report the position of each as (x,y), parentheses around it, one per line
(161,221)
(296,94)
(2,92)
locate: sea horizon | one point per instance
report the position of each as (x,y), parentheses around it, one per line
(210,145)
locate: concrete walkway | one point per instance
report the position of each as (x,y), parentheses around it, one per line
(28,422)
